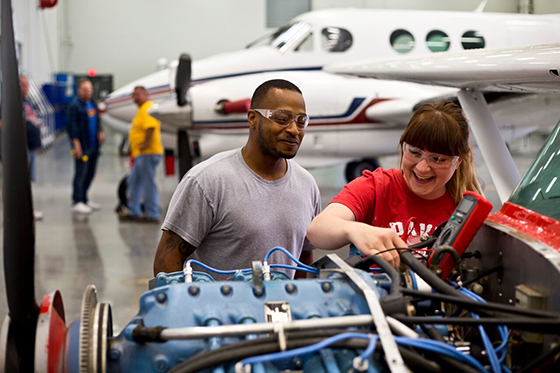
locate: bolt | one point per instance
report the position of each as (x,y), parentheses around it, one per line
(290,288)
(194,290)
(161,298)
(284,307)
(114,354)
(258,291)
(326,286)
(161,364)
(226,290)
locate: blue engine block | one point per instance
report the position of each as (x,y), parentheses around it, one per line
(206,303)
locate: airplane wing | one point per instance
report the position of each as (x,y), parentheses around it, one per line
(530,69)
(515,69)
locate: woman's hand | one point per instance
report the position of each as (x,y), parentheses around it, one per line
(372,240)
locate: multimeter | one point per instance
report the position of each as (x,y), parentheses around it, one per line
(461,227)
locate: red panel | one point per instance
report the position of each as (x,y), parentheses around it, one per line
(530,223)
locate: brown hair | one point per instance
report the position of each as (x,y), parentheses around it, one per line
(82,81)
(440,127)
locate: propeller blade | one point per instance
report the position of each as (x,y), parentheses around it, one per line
(183,79)
(19,233)
(184,150)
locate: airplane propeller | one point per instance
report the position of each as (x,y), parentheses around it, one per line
(182,83)
(19,234)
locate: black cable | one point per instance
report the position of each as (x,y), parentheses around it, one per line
(395,276)
(540,360)
(428,276)
(244,349)
(483,274)
(543,326)
(472,304)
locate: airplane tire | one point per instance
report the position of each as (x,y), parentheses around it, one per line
(354,169)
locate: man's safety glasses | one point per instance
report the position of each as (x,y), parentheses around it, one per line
(434,160)
(284,118)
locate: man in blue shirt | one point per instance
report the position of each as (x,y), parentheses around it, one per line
(86,134)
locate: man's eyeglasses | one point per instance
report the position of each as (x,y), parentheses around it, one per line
(284,118)
(436,161)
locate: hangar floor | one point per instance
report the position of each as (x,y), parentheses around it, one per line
(74,251)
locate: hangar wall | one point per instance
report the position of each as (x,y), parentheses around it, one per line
(36,32)
(127,37)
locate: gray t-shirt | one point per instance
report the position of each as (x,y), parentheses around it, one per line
(233,216)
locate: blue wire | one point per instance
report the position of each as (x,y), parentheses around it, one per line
(231,272)
(219,271)
(289,255)
(313,348)
(495,362)
(423,344)
(312,270)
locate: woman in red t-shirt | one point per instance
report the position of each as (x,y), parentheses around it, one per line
(392,208)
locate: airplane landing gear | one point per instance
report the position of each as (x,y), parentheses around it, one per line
(354,169)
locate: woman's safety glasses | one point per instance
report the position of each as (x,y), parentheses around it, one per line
(284,118)
(434,160)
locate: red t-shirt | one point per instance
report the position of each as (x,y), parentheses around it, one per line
(383,199)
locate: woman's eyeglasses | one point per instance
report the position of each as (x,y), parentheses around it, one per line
(434,160)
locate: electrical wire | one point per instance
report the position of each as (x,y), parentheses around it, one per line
(309,270)
(278,248)
(248,348)
(315,347)
(478,305)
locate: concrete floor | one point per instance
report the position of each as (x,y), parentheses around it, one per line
(74,251)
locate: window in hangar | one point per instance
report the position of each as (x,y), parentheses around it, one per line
(402,41)
(438,41)
(472,40)
(335,39)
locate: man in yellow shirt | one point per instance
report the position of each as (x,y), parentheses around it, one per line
(146,149)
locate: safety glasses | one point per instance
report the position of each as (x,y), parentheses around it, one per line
(284,118)
(436,161)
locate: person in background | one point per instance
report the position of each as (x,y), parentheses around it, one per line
(86,135)
(146,150)
(231,209)
(33,130)
(387,209)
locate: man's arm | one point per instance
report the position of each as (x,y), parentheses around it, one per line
(172,251)
(148,139)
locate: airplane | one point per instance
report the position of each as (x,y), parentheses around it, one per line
(341,318)
(353,120)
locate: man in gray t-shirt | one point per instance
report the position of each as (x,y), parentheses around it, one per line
(233,208)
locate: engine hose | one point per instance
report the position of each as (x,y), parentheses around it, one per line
(544,326)
(217,357)
(431,278)
(443,249)
(479,306)
(385,266)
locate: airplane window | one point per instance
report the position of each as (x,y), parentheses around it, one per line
(306,45)
(336,39)
(539,189)
(438,41)
(472,40)
(402,41)
(289,33)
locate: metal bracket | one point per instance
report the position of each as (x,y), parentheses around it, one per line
(392,355)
